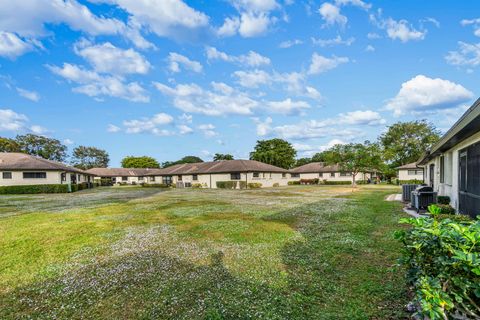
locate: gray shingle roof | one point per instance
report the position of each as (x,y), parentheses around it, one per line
(315,167)
(412,165)
(122,172)
(22,161)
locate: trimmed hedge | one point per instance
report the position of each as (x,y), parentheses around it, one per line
(414,181)
(155,185)
(337,182)
(254,185)
(443,199)
(276,184)
(293,183)
(309,181)
(227,184)
(242,184)
(34,189)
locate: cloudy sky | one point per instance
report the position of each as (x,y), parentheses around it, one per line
(169,78)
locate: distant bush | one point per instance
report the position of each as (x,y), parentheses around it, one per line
(329,182)
(361,182)
(227,184)
(293,183)
(155,185)
(254,185)
(106,182)
(442,258)
(414,181)
(199,185)
(242,184)
(33,189)
(276,184)
(446,209)
(459,218)
(309,181)
(443,199)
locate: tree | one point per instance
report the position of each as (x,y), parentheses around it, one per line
(355,157)
(276,152)
(47,148)
(186,159)
(319,156)
(89,157)
(139,162)
(221,156)
(9,145)
(302,161)
(405,142)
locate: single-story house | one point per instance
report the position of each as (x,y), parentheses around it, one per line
(452,166)
(125,175)
(23,169)
(318,170)
(410,172)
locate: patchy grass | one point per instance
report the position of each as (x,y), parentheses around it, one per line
(300,252)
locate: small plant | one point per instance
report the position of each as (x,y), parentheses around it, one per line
(443,200)
(446,209)
(276,184)
(309,181)
(433,209)
(293,183)
(254,185)
(197,186)
(227,184)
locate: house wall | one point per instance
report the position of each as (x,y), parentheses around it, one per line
(337,177)
(267,179)
(404,175)
(450,186)
(53,177)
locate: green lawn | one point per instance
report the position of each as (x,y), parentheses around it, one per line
(300,252)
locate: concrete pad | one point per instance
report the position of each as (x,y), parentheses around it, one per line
(394,197)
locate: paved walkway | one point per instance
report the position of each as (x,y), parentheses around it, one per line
(398,197)
(394,197)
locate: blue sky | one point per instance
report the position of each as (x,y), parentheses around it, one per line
(169,78)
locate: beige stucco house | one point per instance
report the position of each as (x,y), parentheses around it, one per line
(23,169)
(126,175)
(318,170)
(410,172)
(452,166)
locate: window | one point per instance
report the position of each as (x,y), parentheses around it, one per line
(448,168)
(345,174)
(124,178)
(141,178)
(167,180)
(442,169)
(284,175)
(332,174)
(295,175)
(7,175)
(320,174)
(415,172)
(152,179)
(256,175)
(235,176)
(180,178)
(34,175)
(63,176)
(195,177)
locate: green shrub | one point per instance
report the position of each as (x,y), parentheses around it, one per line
(414,181)
(309,181)
(227,184)
(276,184)
(459,218)
(197,186)
(106,182)
(33,189)
(328,182)
(254,185)
(155,185)
(242,184)
(442,258)
(446,209)
(443,199)
(293,183)
(74,187)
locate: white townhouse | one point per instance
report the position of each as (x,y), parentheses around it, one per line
(410,172)
(126,175)
(452,166)
(318,170)
(22,169)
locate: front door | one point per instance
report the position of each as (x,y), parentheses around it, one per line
(469,181)
(432,174)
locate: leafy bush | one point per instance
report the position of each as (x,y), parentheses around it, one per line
(254,185)
(227,184)
(198,185)
(414,181)
(106,182)
(328,182)
(276,184)
(293,183)
(443,266)
(309,181)
(155,185)
(443,200)
(454,217)
(33,189)
(436,209)
(242,184)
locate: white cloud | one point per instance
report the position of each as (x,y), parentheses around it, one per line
(185,118)
(96,85)
(322,64)
(252,79)
(222,100)
(331,14)
(150,125)
(422,93)
(253,25)
(474,22)
(229,28)
(106,58)
(251,59)
(398,30)
(287,106)
(370,48)
(176,60)
(11,46)
(467,55)
(312,93)
(263,127)
(308,150)
(30,95)
(208,130)
(373,36)
(314,129)
(113,128)
(184,129)
(356,3)
(367,117)
(68,142)
(17,122)
(290,43)
(333,42)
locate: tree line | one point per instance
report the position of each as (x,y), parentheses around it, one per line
(401,143)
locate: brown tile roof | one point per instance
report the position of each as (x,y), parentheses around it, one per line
(122,172)
(412,165)
(22,161)
(315,167)
(225,166)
